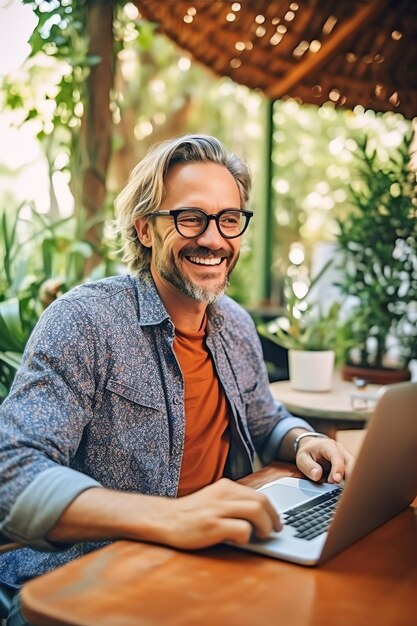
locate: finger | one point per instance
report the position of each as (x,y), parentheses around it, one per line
(266,518)
(239,494)
(262,521)
(308,466)
(210,533)
(270,510)
(348,462)
(235,530)
(341,461)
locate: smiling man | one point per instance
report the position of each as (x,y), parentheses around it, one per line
(141,396)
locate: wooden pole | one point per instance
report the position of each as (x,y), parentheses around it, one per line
(264,218)
(97,123)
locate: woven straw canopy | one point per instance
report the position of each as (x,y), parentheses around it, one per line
(348,52)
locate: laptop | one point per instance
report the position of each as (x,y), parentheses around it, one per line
(383,483)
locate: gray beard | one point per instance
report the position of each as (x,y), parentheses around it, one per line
(174,276)
(181,282)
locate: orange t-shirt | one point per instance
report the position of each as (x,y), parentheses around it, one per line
(206,414)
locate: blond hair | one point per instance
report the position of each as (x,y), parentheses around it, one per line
(145,189)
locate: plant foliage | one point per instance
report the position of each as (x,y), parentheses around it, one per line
(39,261)
(378,244)
(306,325)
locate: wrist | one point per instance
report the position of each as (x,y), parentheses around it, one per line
(151,519)
(301,437)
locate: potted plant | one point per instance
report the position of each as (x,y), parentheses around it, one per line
(309,333)
(377,242)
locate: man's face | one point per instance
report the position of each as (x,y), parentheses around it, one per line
(199,268)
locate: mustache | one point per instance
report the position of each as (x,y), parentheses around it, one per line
(205,252)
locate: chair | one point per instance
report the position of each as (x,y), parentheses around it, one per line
(276,359)
(6,592)
(275,356)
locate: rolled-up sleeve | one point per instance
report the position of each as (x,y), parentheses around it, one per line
(39,506)
(273,443)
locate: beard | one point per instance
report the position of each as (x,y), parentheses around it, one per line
(174,275)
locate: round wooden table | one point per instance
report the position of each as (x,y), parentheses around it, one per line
(343,407)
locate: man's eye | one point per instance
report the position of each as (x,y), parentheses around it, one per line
(230,220)
(190,220)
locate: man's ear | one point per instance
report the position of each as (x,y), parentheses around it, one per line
(144,231)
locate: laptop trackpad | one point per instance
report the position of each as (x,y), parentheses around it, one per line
(286,493)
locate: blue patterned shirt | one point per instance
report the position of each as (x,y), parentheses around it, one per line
(99,401)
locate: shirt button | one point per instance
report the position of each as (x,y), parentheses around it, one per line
(177,400)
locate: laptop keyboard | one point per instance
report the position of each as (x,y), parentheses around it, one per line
(312,518)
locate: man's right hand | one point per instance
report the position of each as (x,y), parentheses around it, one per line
(223,511)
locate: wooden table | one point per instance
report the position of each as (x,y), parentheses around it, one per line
(136,584)
(329,411)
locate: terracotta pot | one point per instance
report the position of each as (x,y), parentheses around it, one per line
(384,376)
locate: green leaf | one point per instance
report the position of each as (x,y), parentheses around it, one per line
(13,359)
(12,336)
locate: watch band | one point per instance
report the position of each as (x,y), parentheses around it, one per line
(301,436)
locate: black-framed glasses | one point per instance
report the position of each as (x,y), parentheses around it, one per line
(191,223)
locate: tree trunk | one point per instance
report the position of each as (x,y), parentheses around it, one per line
(97,124)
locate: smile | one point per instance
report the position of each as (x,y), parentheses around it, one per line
(198,260)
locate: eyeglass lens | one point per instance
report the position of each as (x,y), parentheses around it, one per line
(192,223)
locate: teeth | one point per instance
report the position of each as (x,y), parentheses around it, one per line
(205,261)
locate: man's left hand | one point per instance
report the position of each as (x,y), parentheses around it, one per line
(316,456)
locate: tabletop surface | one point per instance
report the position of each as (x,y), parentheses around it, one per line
(136,584)
(342,402)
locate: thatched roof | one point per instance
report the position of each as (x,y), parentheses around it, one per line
(349,52)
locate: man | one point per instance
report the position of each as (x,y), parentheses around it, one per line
(138,395)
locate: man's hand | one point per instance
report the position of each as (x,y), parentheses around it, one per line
(317,455)
(223,511)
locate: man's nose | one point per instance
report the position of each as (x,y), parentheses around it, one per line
(211,238)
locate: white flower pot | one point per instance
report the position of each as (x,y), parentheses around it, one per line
(311,370)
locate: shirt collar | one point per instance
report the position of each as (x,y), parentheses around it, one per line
(152,310)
